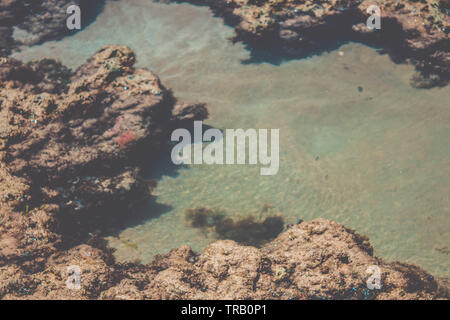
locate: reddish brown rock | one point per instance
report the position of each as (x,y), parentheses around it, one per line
(65,168)
(319,259)
(416,31)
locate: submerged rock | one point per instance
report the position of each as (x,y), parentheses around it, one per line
(250,229)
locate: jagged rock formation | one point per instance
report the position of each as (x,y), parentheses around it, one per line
(415,31)
(319,259)
(70,146)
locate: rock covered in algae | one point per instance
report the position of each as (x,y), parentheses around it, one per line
(68,163)
(319,259)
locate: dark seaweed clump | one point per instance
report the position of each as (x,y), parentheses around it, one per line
(247,230)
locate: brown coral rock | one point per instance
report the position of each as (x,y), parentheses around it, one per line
(410,30)
(64,170)
(319,259)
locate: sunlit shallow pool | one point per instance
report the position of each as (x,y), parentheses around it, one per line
(375,158)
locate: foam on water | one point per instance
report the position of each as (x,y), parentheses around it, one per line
(376,161)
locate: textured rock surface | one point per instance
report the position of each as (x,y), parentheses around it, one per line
(319,259)
(74,138)
(416,31)
(70,148)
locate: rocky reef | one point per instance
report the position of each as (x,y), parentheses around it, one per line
(71,145)
(411,31)
(319,259)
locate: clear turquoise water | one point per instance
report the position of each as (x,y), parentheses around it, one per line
(382,154)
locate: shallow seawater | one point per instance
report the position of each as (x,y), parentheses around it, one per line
(376,160)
